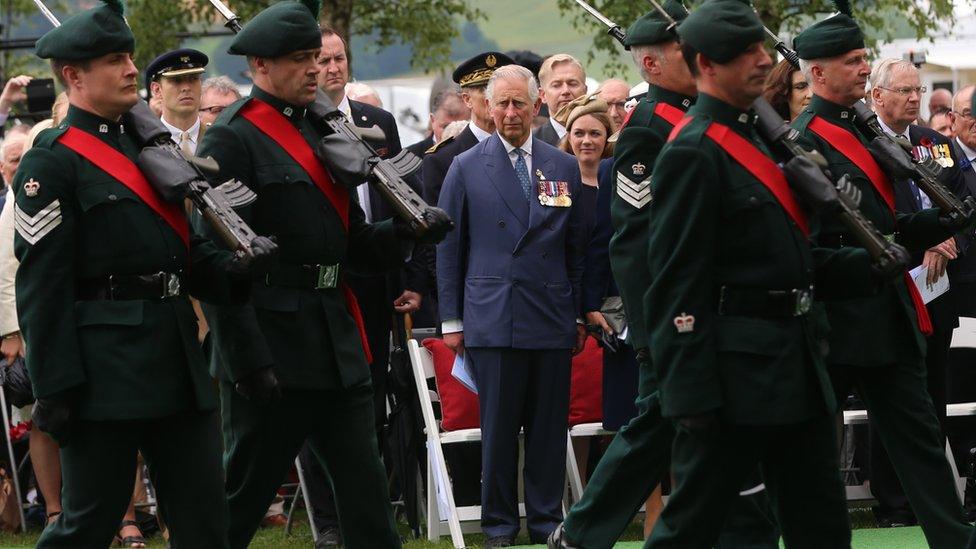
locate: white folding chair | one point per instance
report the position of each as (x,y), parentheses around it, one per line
(573,474)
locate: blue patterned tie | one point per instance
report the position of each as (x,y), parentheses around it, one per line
(522,171)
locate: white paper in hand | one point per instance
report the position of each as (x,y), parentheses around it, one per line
(461,371)
(927,292)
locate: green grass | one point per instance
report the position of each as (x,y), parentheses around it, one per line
(865,537)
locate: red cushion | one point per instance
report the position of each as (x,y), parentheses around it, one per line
(586,387)
(459,406)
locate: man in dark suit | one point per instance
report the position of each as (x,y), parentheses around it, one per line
(963,270)
(446,107)
(896,95)
(380,296)
(563,79)
(509,286)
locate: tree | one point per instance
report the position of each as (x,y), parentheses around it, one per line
(879,19)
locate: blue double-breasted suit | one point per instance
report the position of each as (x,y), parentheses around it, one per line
(509,277)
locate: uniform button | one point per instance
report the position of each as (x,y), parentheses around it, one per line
(753,201)
(515,283)
(546,284)
(552,227)
(112,197)
(545,255)
(501,224)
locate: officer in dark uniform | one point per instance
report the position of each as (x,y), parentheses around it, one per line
(639,456)
(877,344)
(301,334)
(111,337)
(472,76)
(736,341)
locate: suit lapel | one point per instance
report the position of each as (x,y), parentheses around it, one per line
(502,176)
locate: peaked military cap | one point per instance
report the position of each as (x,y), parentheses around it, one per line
(179,62)
(653,28)
(831,37)
(89,34)
(722,29)
(477,70)
(280,29)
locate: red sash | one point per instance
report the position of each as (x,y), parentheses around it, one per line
(670,113)
(756,163)
(851,147)
(274,125)
(117,165)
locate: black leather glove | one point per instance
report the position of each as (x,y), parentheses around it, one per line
(435,226)
(54,416)
(260,386)
(892,264)
(700,424)
(264,251)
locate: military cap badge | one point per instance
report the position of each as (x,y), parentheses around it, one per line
(684,323)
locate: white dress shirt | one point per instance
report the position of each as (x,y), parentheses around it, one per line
(193,134)
(479,133)
(560,129)
(970,153)
(454,325)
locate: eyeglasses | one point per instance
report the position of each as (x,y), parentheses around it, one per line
(907,90)
(214,110)
(966,115)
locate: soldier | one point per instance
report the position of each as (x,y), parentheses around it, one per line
(736,341)
(293,362)
(877,343)
(176,78)
(102,294)
(639,456)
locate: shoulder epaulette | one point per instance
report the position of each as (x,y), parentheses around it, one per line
(440,144)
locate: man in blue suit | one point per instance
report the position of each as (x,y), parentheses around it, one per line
(509,291)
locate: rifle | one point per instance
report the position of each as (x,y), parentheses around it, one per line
(176,177)
(351,160)
(897,161)
(613,29)
(806,173)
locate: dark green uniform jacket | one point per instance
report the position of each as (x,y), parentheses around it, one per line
(124,359)
(890,315)
(634,155)
(712,224)
(308,335)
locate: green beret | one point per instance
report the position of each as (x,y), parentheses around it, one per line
(279,30)
(653,28)
(829,38)
(722,29)
(89,34)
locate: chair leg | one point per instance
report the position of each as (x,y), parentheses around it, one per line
(572,471)
(303,489)
(960,482)
(433,516)
(13,461)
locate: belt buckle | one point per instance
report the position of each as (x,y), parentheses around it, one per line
(327,277)
(802,302)
(171,284)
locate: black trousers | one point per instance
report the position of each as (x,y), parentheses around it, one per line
(892,501)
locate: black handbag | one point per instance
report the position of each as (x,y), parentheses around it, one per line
(16,381)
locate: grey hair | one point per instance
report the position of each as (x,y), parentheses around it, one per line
(958,96)
(220,84)
(10,141)
(513,72)
(883,70)
(806,68)
(646,50)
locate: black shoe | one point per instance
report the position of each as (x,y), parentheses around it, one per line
(329,537)
(499,541)
(558,540)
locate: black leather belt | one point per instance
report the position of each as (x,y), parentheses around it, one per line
(125,287)
(772,303)
(316,277)
(841,240)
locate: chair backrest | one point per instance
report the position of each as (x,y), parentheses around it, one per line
(423,369)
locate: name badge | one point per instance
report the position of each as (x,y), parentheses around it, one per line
(554,194)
